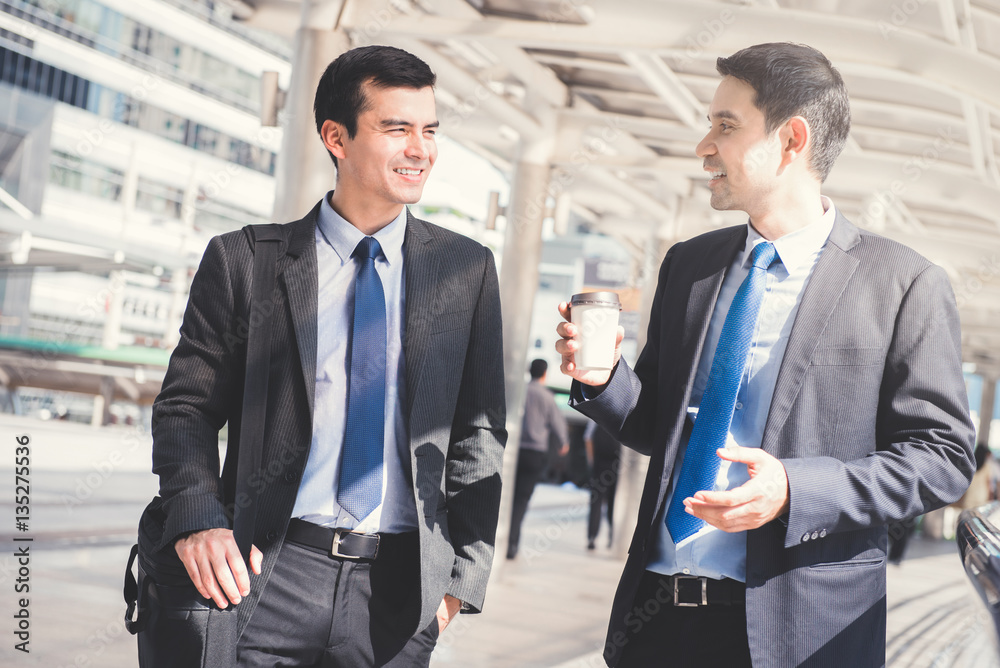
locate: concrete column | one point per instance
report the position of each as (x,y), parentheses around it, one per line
(113,318)
(305,171)
(632,475)
(522,253)
(97,415)
(102,403)
(986,407)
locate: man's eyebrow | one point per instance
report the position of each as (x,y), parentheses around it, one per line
(390,122)
(723,113)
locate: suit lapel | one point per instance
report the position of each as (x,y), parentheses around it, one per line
(301,279)
(832,274)
(421,272)
(711,271)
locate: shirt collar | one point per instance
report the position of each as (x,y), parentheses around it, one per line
(344,237)
(796,249)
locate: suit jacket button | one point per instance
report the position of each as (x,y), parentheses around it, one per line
(822,534)
(271,536)
(805,537)
(291,476)
(815,535)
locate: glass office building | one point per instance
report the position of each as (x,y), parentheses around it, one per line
(129,135)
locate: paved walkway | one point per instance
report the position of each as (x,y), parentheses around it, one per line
(547,609)
(548,606)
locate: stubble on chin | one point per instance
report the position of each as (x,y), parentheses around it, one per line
(720,202)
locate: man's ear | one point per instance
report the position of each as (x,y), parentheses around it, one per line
(334,137)
(795,136)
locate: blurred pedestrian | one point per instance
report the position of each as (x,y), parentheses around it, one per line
(604,460)
(541,419)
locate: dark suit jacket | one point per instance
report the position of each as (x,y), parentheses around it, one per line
(454,390)
(869,417)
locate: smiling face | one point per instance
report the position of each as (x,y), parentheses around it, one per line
(742,159)
(387,162)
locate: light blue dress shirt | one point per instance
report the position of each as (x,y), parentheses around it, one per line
(712,552)
(316,502)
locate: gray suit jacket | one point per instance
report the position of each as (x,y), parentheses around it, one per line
(869,417)
(454,389)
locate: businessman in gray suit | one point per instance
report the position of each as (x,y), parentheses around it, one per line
(800,388)
(380,482)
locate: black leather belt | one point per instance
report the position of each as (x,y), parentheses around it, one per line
(338,543)
(691,591)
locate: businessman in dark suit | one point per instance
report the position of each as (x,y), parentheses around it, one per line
(801,387)
(380,482)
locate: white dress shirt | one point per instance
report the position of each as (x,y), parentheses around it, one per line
(316,502)
(711,552)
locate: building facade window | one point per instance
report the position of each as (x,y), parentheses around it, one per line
(118,29)
(29,74)
(86,176)
(158,198)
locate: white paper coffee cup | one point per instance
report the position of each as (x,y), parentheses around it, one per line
(595,315)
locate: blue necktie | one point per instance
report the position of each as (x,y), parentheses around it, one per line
(360,488)
(715,413)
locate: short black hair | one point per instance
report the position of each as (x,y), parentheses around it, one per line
(340,95)
(538,369)
(796,80)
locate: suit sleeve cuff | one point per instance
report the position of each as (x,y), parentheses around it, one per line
(580,393)
(186,514)
(811,513)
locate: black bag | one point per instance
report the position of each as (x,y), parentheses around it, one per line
(175,626)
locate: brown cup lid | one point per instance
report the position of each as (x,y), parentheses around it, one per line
(596,298)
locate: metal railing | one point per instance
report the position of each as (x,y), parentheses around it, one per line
(978,541)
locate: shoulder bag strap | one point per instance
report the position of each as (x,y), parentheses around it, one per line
(266,241)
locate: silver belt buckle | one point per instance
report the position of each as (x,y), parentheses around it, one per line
(704,591)
(338,535)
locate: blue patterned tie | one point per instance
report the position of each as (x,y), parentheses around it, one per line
(715,414)
(360,488)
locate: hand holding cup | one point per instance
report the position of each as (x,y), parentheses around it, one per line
(595,367)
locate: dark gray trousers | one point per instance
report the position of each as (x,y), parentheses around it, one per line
(530,468)
(326,613)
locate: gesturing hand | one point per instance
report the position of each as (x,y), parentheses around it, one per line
(568,346)
(215,566)
(751,505)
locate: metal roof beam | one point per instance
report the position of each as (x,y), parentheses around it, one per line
(652,25)
(654,127)
(668,87)
(608,66)
(957,23)
(476,94)
(539,81)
